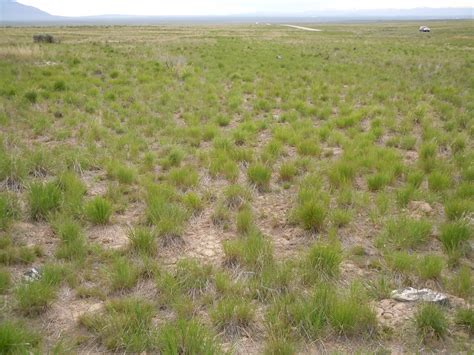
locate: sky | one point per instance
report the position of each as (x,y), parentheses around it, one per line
(224,7)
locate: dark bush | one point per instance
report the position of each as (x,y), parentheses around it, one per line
(43,38)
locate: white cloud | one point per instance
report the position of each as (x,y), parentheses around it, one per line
(223,7)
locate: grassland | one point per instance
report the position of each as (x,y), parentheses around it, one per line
(241,189)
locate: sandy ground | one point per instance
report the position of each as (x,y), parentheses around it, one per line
(304,28)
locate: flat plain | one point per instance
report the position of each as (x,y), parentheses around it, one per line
(236,189)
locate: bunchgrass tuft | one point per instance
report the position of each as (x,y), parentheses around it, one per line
(405,232)
(44,198)
(124,325)
(16,338)
(253,251)
(143,241)
(232,314)
(187,337)
(98,210)
(431,322)
(464,318)
(322,261)
(259,175)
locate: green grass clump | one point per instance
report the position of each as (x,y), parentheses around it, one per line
(377,182)
(351,315)
(341,217)
(253,251)
(143,241)
(192,277)
(184,178)
(35,297)
(73,243)
(98,210)
(260,176)
(235,196)
(401,262)
(431,322)
(31,96)
(8,211)
(311,215)
(405,232)
(187,337)
(322,261)
(73,192)
(465,318)
(44,198)
(454,237)
(173,159)
(123,274)
(124,174)
(438,181)
(244,221)
(5,281)
(430,267)
(462,283)
(232,314)
(458,208)
(288,171)
(125,325)
(15,338)
(168,217)
(341,173)
(193,202)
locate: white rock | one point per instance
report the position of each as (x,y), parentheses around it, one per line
(411,294)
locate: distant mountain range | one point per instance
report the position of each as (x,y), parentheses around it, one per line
(14,13)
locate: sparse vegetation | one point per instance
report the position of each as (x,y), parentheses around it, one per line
(179,200)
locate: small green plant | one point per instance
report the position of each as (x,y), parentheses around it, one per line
(430,267)
(35,297)
(438,181)
(405,232)
(143,241)
(458,208)
(187,337)
(59,85)
(431,322)
(31,96)
(98,210)
(260,176)
(322,261)
(73,243)
(288,172)
(124,325)
(401,262)
(16,338)
(184,178)
(351,315)
(377,182)
(454,237)
(123,274)
(8,211)
(462,283)
(341,217)
(235,196)
(465,318)
(5,281)
(253,251)
(173,159)
(311,215)
(193,278)
(245,222)
(168,217)
(44,198)
(193,202)
(232,314)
